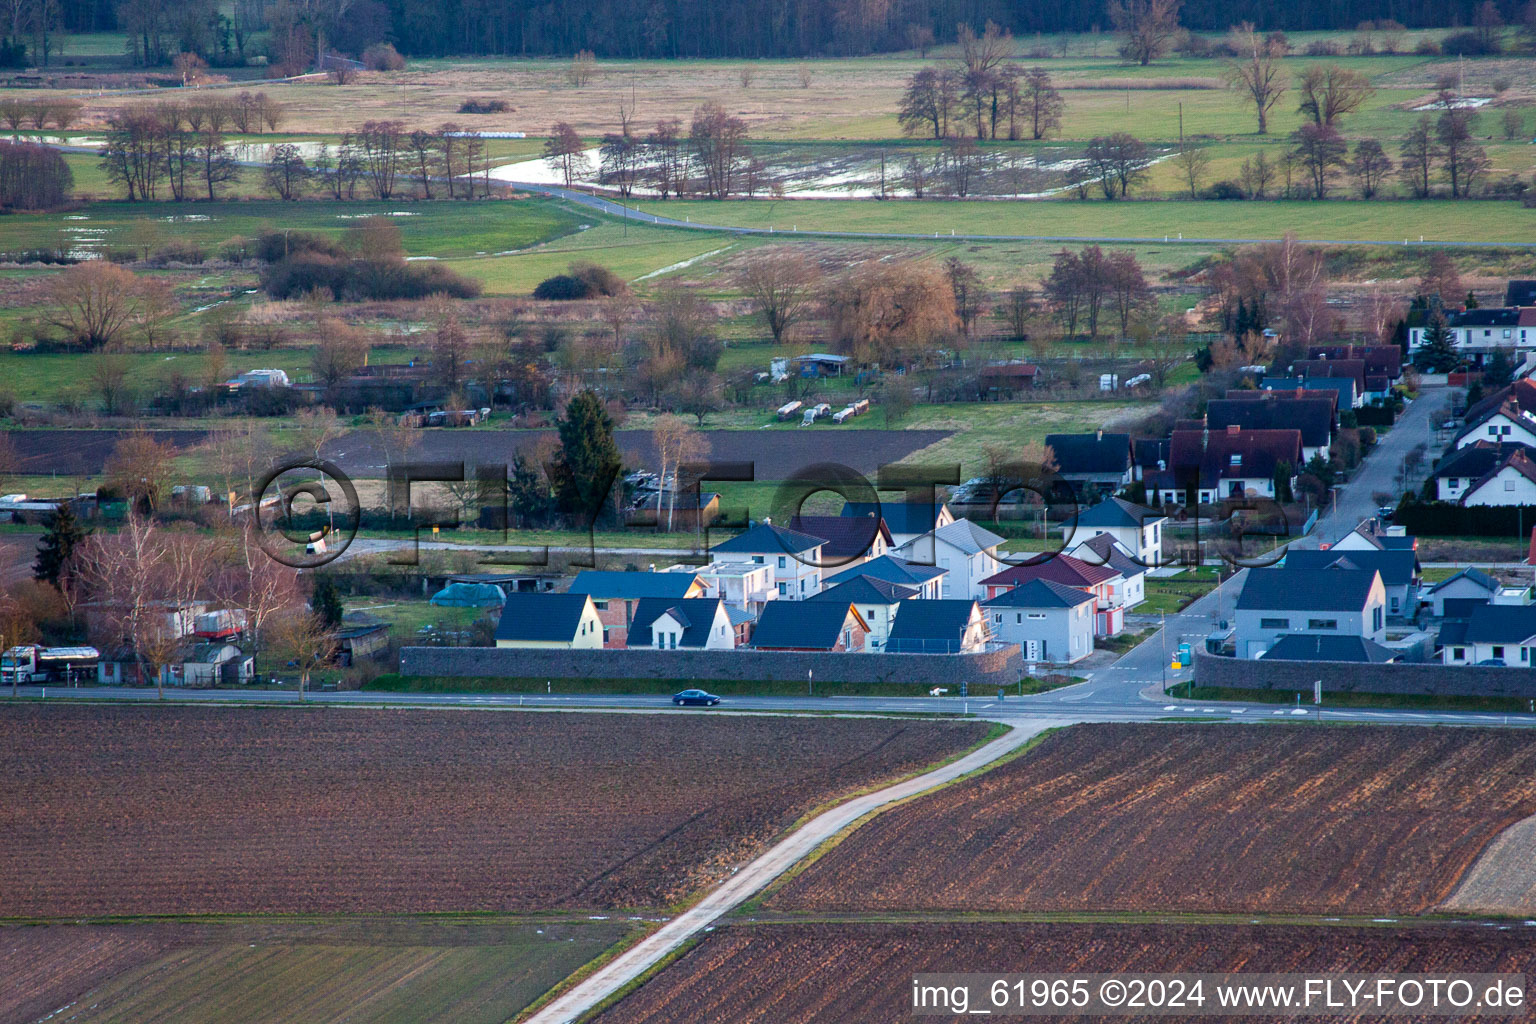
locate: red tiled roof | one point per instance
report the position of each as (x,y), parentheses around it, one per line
(1064,569)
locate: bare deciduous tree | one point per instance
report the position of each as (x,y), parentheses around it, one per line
(782,286)
(1255,72)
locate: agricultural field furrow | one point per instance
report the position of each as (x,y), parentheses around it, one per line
(1192,819)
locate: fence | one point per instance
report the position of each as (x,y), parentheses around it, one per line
(998,665)
(1429,679)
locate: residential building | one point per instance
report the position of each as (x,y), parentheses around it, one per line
(925,579)
(1460,468)
(1050,622)
(1323,647)
(550,621)
(1097,580)
(1347,394)
(903,519)
(876,601)
(1131,588)
(849,539)
(1134,527)
(795,557)
(1469,584)
(1272,394)
(1232,463)
(743,585)
(1312,416)
(1511,422)
(1374,535)
(1504,634)
(1511,482)
(615,595)
(937,627)
(809,626)
(1380,360)
(1335,601)
(1098,460)
(696,623)
(1399,571)
(1479,333)
(966,552)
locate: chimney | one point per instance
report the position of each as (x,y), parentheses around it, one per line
(1100,435)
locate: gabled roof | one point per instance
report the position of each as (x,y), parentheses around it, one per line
(1323,647)
(846,536)
(1476,459)
(1471,575)
(210,654)
(964,535)
(1312,416)
(1344,387)
(1111,555)
(695,614)
(1510,408)
(1380,360)
(1502,624)
(1306,590)
(1040,594)
(1517,461)
(630,586)
(899,516)
(921,621)
(1396,567)
(1313,368)
(768,539)
(1113,512)
(866,590)
(1294,394)
(1485,316)
(1211,452)
(805,624)
(1063,569)
(541,617)
(1091,453)
(890,569)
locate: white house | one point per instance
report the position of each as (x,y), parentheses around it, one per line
(1049,621)
(1498,633)
(1513,482)
(1333,601)
(698,623)
(875,600)
(1131,588)
(795,557)
(1139,530)
(954,626)
(1467,585)
(1505,425)
(744,585)
(966,552)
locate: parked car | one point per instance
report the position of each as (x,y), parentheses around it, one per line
(700,697)
(1386,512)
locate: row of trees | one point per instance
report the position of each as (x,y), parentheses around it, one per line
(381,160)
(184,147)
(710,158)
(983,93)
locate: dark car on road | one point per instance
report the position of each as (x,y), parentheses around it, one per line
(701,697)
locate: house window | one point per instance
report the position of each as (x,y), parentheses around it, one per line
(1322,623)
(1376,618)
(1274,623)
(1525,654)
(601,606)
(1459,653)
(783,589)
(1237,459)
(1018,617)
(997,617)
(1498,651)
(1037,615)
(1509,485)
(781,561)
(757,559)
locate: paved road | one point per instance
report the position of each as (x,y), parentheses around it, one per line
(756,875)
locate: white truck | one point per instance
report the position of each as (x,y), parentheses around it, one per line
(33,663)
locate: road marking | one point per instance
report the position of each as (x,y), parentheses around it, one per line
(1081,696)
(1171,707)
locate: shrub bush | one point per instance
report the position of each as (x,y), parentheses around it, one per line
(1323,48)
(484,105)
(1465,44)
(1225,190)
(563,287)
(383,57)
(272,246)
(317,273)
(600,280)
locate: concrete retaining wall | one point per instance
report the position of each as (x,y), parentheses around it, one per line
(1003,666)
(1427,679)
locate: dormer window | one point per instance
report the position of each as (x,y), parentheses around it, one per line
(1237,460)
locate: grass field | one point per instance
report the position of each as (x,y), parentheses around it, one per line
(1377,221)
(374,971)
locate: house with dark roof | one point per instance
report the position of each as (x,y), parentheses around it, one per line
(1511,421)
(937,627)
(1232,463)
(1150,455)
(615,595)
(1097,580)
(966,552)
(904,519)
(795,557)
(849,539)
(1312,416)
(1470,584)
(1374,535)
(1505,634)
(876,601)
(1051,622)
(1135,527)
(1460,468)
(1479,333)
(558,621)
(925,579)
(809,626)
(695,623)
(1100,460)
(1131,588)
(1380,360)
(1335,601)
(1373,387)
(1329,395)
(1320,647)
(1399,569)
(1345,392)
(1512,482)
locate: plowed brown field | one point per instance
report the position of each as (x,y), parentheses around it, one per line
(123,810)
(1193,818)
(845,973)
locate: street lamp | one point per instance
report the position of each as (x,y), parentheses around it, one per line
(809,691)
(1163,633)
